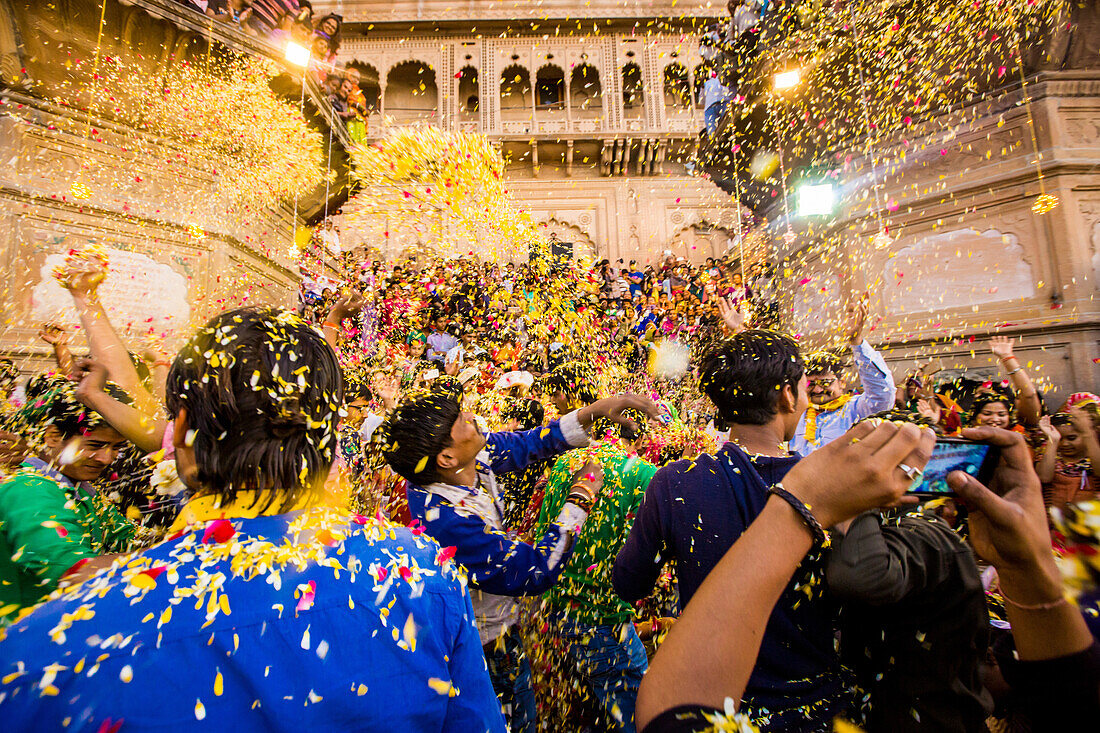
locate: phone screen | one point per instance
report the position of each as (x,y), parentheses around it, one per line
(948,456)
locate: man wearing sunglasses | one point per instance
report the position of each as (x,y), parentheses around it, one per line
(833,409)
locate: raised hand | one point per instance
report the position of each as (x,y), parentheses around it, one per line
(90,376)
(855,320)
(929,409)
(81,274)
(1051,432)
(346,307)
(731,314)
(1001,346)
(53,334)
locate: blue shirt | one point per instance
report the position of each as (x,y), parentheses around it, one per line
(302,621)
(878,394)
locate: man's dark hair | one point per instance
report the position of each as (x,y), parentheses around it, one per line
(744,375)
(51,400)
(573,379)
(825,361)
(416,432)
(908,416)
(71,417)
(529,413)
(262,392)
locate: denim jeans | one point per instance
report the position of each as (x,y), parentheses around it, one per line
(510,673)
(712,115)
(610,662)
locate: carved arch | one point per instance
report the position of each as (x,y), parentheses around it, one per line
(12,51)
(566,231)
(700,239)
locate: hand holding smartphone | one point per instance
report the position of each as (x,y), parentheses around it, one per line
(955,454)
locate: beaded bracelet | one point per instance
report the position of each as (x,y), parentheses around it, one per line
(803,511)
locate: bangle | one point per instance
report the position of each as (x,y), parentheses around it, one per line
(162,363)
(1017,369)
(1037,607)
(820,538)
(584,501)
(330,324)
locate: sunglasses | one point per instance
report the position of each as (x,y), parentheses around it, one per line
(824,382)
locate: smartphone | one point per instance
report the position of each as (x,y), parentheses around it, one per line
(954,454)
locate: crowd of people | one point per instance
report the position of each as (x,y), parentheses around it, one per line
(463,495)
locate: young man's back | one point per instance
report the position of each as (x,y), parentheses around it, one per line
(692,513)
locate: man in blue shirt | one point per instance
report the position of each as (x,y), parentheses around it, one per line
(694,511)
(440,341)
(833,410)
(451,468)
(265,610)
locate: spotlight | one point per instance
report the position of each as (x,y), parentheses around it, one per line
(785,80)
(297,55)
(816,199)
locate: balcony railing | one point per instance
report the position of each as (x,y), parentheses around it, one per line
(234,39)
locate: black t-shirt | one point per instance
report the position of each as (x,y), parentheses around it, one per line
(913,624)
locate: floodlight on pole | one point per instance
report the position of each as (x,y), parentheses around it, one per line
(816,199)
(297,54)
(789,79)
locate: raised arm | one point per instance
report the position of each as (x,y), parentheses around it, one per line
(877,380)
(103,341)
(1045,465)
(344,308)
(58,339)
(1028,407)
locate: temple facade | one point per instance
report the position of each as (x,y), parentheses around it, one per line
(596,109)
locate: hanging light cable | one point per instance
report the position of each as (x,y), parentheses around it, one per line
(1046,201)
(882,239)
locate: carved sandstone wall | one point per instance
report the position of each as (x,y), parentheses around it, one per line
(969,256)
(218,252)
